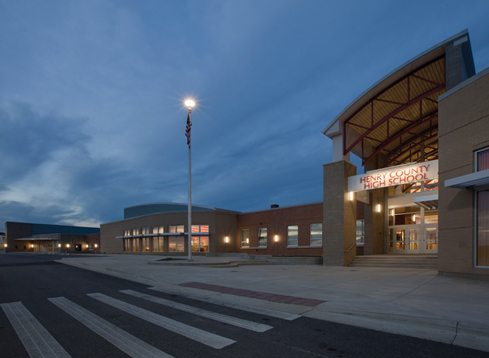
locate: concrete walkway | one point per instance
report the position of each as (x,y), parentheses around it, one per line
(412,302)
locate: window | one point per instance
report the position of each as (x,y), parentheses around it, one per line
(316,234)
(135,245)
(158,229)
(245,238)
(482,244)
(145,246)
(158,244)
(127,232)
(200,243)
(482,207)
(482,160)
(145,230)
(262,237)
(135,231)
(176,244)
(360,232)
(127,244)
(176,229)
(292,235)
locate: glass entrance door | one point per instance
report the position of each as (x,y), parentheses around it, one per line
(431,239)
(414,246)
(404,240)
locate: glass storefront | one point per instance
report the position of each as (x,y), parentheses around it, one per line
(412,229)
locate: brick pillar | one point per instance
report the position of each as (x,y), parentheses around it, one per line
(339,214)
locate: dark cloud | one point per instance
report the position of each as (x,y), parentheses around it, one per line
(28,139)
(101,124)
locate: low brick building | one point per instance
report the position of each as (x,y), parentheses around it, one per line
(28,237)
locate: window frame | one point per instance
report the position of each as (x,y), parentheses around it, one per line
(289,235)
(476,209)
(362,241)
(248,238)
(310,235)
(262,238)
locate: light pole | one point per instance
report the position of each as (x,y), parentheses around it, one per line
(189,104)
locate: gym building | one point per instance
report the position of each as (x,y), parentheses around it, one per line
(422,135)
(43,238)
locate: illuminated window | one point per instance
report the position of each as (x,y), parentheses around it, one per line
(176,244)
(245,238)
(176,229)
(200,243)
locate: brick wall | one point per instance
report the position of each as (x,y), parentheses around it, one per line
(276,221)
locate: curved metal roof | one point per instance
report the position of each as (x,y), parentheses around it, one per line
(399,112)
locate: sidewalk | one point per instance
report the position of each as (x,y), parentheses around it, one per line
(412,302)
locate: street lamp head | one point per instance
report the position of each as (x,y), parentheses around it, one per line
(189,103)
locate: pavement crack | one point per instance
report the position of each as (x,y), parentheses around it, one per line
(414,289)
(456,333)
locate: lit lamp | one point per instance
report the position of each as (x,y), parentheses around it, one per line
(67,245)
(32,245)
(276,238)
(96,245)
(59,245)
(378,208)
(86,246)
(189,104)
(226,239)
(350,196)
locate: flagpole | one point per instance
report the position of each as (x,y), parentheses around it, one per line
(189,103)
(189,196)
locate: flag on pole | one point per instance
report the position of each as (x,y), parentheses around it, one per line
(187,129)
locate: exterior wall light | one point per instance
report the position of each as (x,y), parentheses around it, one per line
(67,245)
(276,238)
(59,245)
(350,196)
(379,208)
(96,245)
(226,239)
(5,245)
(86,246)
(392,212)
(32,245)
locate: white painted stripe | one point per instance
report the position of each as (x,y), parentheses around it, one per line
(258,310)
(124,341)
(238,322)
(36,339)
(207,338)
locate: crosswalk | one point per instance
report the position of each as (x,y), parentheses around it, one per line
(39,342)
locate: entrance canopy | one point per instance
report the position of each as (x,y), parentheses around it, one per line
(397,118)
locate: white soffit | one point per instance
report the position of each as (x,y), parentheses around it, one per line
(474,180)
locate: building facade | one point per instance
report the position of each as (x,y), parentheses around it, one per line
(163,229)
(421,133)
(28,237)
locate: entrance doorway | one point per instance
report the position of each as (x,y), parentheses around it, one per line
(413,230)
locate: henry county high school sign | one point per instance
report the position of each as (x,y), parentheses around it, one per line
(401,174)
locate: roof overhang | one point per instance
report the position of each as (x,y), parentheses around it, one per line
(476,181)
(399,113)
(429,202)
(37,239)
